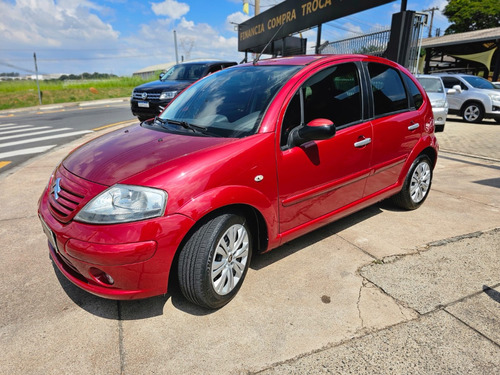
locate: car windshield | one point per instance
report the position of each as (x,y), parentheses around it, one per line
(231,102)
(479,83)
(431,84)
(184,72)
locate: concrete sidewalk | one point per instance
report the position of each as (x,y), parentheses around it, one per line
(382,291)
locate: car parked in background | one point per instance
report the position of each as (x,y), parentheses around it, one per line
(149,99)
(239,163)
(434,87)
(476,98)
(496,84)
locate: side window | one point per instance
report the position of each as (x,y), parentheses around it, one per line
(449,82)
(334,94)
(214,69)
(414,92)
(389,94)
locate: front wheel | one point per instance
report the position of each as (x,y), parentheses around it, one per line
(214,260)
(417,184)
(473,112)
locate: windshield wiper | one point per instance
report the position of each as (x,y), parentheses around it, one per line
(186,125)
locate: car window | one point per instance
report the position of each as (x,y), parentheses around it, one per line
(231,102)
(449,82)
(414,92)
(190,72)
(214,68)
(431,84)
(334,94)
(479,83)
(389,94)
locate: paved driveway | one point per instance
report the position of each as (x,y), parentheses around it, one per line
(381,291)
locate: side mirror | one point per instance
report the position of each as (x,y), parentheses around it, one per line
(315,130)
(457,88)
(162,75)
(451,92)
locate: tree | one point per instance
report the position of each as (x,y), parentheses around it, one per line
(470,15)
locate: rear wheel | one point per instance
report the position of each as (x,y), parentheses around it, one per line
(417,184)
(214,261)
(473,112)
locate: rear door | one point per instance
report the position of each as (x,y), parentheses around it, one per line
(397,125)
(321,177)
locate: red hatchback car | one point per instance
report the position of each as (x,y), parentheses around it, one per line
(241,162)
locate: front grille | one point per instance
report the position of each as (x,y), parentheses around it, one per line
(65,196)
(150,95)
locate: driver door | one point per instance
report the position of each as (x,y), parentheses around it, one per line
(322,177)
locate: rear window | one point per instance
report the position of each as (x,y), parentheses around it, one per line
(389,93)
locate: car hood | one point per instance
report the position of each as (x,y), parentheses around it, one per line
(122,154)
(163,85)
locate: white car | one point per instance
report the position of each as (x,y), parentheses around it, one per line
(475,98)
(434,87)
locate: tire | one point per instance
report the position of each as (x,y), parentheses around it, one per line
(473,112)
(417,184)
(439,128)
(142,118)
(497,120)
(214,261)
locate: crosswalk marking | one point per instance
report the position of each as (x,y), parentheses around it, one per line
(9,124)
(13,127)
(33,128)
(34,133)
(64,135)
(25,151)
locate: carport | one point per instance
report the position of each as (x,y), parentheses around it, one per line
(474,52)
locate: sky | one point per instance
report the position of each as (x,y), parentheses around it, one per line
(121,37)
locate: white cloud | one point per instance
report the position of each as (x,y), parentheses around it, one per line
(170,8)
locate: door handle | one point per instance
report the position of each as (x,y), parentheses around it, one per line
(363,142)
(414,126)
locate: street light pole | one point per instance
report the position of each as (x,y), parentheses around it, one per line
(36,75)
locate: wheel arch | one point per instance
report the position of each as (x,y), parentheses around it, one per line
(471,101)
(257,223)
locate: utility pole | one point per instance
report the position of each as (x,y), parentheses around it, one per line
(37,84)
(257,7)
(175,43)
(432,10)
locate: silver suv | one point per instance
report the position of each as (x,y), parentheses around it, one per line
(475,99)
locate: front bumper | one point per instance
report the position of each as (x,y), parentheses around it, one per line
(120,261)
(154,107)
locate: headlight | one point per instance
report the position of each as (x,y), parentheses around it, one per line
(122,204)
(494,97)
(168,95)
(439,103)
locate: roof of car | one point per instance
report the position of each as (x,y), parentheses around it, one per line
(306,59)
(207,62)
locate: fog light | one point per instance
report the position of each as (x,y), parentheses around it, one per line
(440,119)
(101,276)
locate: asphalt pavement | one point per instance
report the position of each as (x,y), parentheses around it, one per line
(382,291)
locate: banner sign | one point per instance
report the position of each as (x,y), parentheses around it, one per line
(292,16)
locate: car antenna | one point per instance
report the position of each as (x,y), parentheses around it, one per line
(270,40)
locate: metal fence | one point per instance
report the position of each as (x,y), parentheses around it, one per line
(369,44)
(376,43)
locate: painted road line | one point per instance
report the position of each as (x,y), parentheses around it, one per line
(9,124)
(64,135)
(11,127)
(115,124)
(35,133)
(25,151)
(33,128)
(4,163)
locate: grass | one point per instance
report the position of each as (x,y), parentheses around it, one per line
(19,94)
